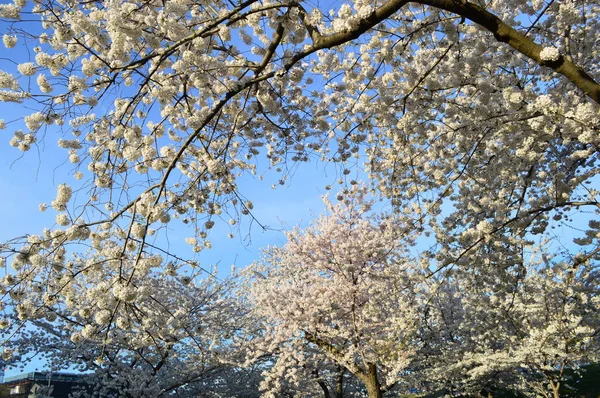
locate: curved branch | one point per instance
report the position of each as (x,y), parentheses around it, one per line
(523,44)
(501,31)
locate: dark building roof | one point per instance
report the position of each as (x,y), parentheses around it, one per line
(62,384)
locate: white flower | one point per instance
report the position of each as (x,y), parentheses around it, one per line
(165,217)
(76,337)
(8,81)
(62,197)
(9,41)
(127,294)
(131,153)
(87,332)
(27,69)
(12,96)
(122,323)
(44,84)
(7,354)
(10,11)
(513,96)
(550,54)
(102,317)
(23,146)
(69,144)
(191,241)
(34,121)
(29,138)
(138,230)
(62,219)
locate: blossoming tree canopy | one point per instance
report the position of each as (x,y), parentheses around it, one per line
(494,108)
(529,333)
(161,106)
(345,288)
(156,336)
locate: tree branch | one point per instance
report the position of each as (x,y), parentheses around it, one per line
(475,13)
(506,34)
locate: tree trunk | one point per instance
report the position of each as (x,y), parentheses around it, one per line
(339,384)
(324,388)
(372,383)
(485,394)
(555,388)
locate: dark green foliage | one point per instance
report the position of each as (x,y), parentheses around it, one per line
(582,384)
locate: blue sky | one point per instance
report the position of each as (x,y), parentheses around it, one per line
(28,179)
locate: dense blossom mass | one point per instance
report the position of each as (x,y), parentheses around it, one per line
(347,291)
(477,121)
(346,288)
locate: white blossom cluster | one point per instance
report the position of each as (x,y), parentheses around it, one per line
(107,318)
(549,54)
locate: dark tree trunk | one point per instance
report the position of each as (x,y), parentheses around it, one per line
(339,384)
(324,388)
(372,383)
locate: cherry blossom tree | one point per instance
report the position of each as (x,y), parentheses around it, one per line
(346,288)
(526,333)
(153,336)
(540,330)
(491,107)
(478,120)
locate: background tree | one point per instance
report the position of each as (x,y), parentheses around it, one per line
(155,335)
(343,287)
(527,333)
(541,329)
